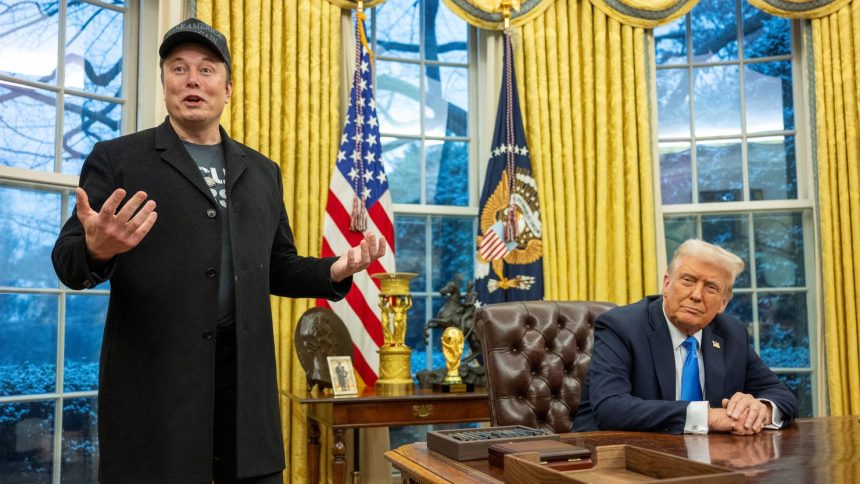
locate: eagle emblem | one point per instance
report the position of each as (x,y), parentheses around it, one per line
(525,247)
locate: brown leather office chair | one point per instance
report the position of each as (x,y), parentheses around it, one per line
(536,354)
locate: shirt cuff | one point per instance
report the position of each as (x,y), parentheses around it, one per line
(697,418)
(775,413)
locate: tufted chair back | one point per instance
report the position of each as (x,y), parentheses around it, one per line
(536,354)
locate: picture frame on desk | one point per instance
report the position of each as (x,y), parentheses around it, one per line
(342,375)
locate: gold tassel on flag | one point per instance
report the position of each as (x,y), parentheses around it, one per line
(358,218)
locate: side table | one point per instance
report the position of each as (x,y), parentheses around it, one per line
(371,410)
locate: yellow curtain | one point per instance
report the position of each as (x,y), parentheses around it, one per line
(286,71)
(585,100)
(836,44)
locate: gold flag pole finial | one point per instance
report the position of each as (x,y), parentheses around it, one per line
(360,6)
(503,7)
(506,12)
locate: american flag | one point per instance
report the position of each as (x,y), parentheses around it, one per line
(359,202)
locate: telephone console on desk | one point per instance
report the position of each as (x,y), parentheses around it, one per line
(471,444)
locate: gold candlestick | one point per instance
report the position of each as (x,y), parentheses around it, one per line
(395,376)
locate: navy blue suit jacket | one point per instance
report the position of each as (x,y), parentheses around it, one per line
(631,379)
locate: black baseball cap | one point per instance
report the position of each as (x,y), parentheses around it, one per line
(198,32)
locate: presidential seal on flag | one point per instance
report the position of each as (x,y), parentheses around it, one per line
(526,246)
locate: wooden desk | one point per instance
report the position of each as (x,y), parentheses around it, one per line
(823,450)
(372,410)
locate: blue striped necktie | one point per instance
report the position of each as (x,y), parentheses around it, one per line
(691,389)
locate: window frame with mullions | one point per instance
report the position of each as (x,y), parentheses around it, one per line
(803,205)
(63,184)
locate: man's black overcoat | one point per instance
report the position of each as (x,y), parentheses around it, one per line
(157,358)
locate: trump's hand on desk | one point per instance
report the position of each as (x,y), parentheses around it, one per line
(743,414)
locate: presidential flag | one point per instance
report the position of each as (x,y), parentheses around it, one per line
(509,259)
(359,202)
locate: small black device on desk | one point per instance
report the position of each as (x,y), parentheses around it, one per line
(555,454)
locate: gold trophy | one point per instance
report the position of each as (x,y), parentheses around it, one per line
(452,350)
(395,375)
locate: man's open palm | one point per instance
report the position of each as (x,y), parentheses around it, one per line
(110,232)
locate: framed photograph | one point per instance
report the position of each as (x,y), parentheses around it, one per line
(342,375)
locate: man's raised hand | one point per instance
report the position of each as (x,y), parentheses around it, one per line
(358,258)
(110,232)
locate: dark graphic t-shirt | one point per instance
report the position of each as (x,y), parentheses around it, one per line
(210,161)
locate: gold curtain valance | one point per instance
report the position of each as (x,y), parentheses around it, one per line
(478,13)
(808,9)
(644,13)
(353,4)
(636,13)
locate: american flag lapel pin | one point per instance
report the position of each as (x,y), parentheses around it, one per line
(716,344)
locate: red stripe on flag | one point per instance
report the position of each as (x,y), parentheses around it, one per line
(326,249)
(375,267)
(364,370)
(492,247)
(382,219)
(337,211)
(490,244)
(365,313)
(496,253)
(341,218)
(372,320)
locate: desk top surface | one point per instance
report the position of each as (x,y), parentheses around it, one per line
(825,449)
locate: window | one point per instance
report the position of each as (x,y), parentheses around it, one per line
(424,77)
(424,83)
(734,170)
(63,87)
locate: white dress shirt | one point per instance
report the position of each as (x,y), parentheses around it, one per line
(697,412)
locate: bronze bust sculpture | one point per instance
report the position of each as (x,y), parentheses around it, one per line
(319,334)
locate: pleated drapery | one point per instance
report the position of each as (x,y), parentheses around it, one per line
(286,72)
(836,43)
